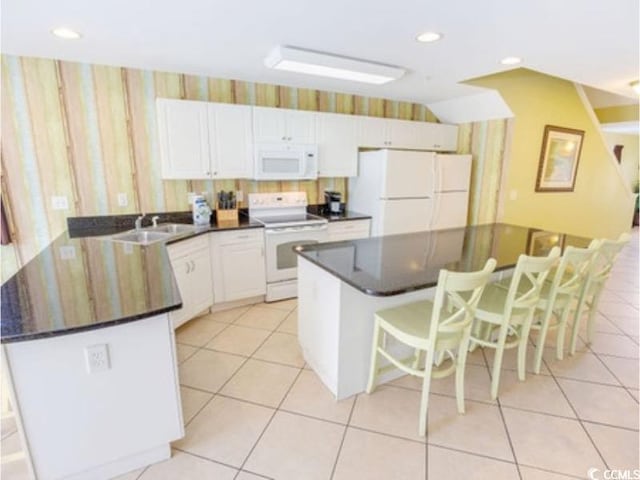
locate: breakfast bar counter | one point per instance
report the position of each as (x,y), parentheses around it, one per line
(342,284)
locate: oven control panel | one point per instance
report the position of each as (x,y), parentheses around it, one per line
(261,201)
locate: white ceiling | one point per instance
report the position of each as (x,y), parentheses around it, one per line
(593,42)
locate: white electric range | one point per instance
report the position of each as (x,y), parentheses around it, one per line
(286,225)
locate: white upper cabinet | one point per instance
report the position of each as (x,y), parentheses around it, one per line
(276,125)
(337,137)
(203,140)
(392,133)
(184,138)
(372,132)
(230,138)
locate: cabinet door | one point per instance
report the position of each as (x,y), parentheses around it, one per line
(184,139)
(301,126)
(181,270)
(269,125)
(337,145)
(243,270)
(445,137)
(372,132)
(200,281)
(230,134)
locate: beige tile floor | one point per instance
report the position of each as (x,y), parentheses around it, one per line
(253,411)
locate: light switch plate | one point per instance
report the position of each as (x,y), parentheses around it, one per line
(123,201)
(67,252)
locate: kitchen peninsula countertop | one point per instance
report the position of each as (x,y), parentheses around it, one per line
(396,264)
(82,281)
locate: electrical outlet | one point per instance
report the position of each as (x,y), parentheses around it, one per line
(123,201)
(239,196)
(97,357)
(190,196)
(59,202)
(513,195)
(67,252)
(127,248)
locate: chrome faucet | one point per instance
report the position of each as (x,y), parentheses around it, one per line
(155,220)
(139,222)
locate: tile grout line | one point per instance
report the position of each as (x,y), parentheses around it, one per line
(344,436)
(277,409)
(575,411)
(504,421)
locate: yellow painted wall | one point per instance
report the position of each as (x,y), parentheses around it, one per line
(620,113)
(601,204)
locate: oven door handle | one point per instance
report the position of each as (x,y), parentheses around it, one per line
(301,229)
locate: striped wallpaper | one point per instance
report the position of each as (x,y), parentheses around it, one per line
(89,132)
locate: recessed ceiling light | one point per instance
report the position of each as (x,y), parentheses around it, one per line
(510,60)
(427,37)
(66,33)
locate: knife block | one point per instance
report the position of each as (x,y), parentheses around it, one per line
(227,218)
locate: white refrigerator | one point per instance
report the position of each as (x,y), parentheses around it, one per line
(410,191)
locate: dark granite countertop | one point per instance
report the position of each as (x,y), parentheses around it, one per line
(395,264)
(82,281)
(345,215)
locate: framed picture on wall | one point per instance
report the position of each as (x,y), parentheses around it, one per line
(559,159)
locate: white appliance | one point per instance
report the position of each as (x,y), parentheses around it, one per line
(285,161)
(411,191)
(286,224)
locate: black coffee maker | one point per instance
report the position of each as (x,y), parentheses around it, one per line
(333,202)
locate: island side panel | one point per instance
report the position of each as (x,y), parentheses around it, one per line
(319,321)
(357,312)
(78,422)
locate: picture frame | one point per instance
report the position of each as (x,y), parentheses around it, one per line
(559,158)
(540,242)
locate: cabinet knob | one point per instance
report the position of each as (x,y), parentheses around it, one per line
(215,174)
(208,174)
(284,138)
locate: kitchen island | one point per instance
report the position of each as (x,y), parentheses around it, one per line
(342,284)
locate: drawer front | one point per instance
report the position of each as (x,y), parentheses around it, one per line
(238,236)
(349,230)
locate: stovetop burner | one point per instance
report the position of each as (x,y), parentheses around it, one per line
(282,209)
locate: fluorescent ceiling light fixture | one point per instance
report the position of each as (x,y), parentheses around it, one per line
(510,60)
(427,37)
(66,33)
(323,64)
(636,86)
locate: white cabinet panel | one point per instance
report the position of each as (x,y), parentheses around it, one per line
(230,135)
(184,138)
(191,262)
(238,264)
(372,132)
(203,140)
(276,125)
(348,230)
(393,133)
(337,145)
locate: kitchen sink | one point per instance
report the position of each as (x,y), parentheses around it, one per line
(171,228)
(145,236)
(142,237)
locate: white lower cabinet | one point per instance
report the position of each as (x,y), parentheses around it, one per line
(238,264)
(349,230)
(191,262)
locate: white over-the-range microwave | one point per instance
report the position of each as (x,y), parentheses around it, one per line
(285,161)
